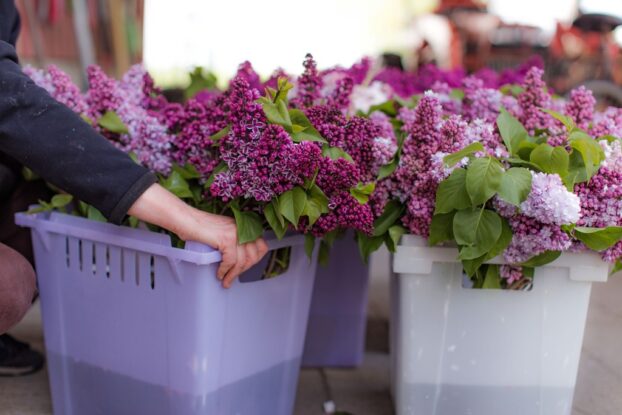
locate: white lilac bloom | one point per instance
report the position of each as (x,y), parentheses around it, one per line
(613,155)
(365,96)
(550,202)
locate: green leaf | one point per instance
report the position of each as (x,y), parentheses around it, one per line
(388,169)
(187,172)
(542,259)
(249,224)
(515,185)
(368,244)
(278,226)
(111,122)
(441,228)
(511,130)
(617,267)
(362,192)
(457,93)
(292,204)
(472,265)
(477,230)
(133,221)
(200,80)
(177,185)
(29,175)
(525,148)
(323,255)
(302,128)
(393,236)
(551,159)
(277,113)
(309,245)
(590,155)
(504,240)
(94,214)
(598,239)
(220,134)
(60,201)
(522,163)
(452,193)
(483,179)
(392,212)
(492,281)
(567,121)
(335,153)
(387,107)
(452,159)
(317,204)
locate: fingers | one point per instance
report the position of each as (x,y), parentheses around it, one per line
(262,248)
(237,268)
(248,255)
(229,253)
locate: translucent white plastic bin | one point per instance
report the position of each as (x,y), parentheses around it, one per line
(460,351)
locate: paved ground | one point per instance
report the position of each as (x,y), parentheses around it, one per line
(365,391)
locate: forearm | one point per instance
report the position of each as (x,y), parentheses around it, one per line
(160,207)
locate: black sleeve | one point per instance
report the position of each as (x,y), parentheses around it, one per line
(57,144)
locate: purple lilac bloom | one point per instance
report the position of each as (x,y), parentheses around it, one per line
(531,238)
(60,86)
(246,72)
(309,84)
(550,202)
(340,96)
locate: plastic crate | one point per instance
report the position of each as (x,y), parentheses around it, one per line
(338,316)
(461,351)
(133,326)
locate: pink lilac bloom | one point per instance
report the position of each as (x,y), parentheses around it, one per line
(531,238)
(503,208)
(480,102)
(535,97)
(608,122)
(309,84)
(511,273)
(60,86)
(601,199)
(550,202)
(402,83)
(450,104)
(484,132)
(614,253)
(580,106)
(345,212)
(40,77)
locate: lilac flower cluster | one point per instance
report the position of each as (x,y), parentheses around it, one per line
(60,86)
(534,97)
(550,202)
(531,238)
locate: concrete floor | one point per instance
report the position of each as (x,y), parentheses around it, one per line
(365,391)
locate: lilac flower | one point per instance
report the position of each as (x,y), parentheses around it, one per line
(581,106)
(480,102)
(511,273)
(601,199)
(340,96)
(60,86)
(535,97)
(613,155)
(246,72)
(531,238)
(309,84)
(550,202)
(608,122)
(365,96)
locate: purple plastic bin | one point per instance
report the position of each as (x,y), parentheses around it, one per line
(336,329)
(135,327)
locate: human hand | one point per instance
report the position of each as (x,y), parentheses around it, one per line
(160,207)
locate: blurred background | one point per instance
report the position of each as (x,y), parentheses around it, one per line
(578,40)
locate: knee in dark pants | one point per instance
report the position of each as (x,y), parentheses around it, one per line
(17,287)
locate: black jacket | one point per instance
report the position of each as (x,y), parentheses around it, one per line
(57,144)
